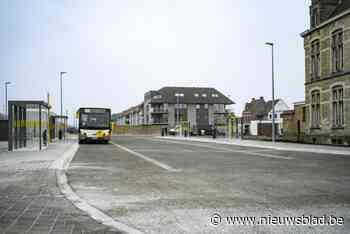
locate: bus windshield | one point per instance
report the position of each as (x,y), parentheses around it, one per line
(94,120)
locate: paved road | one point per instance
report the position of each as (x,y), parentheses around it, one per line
(169,186)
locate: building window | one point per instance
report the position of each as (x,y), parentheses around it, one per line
(196,95)
(315,109)
(315,59)
(304,114)
(337,50)
(204,95)
(205,106)
(215,95)
(337,106)
(198,106)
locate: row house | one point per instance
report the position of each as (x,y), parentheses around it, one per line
(258,112)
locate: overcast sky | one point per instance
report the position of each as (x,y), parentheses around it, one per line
(115,51)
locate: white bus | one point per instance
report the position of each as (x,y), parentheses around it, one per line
(94,124)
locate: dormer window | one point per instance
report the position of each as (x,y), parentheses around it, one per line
(179,95)
(315,18)
(215,95)
(196,95)
(204,95)
(157,97)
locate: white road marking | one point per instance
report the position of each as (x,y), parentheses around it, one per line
(230,150)
(178,151)
(163,151)
(61,166)
(159,164)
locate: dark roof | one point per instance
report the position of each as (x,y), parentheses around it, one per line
(343,6)
(168,96)
(258,107)
(268,105)
(255,107)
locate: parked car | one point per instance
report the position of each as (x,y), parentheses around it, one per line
(72,130)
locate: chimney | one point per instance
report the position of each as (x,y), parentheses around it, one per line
(253,99)
(261,98)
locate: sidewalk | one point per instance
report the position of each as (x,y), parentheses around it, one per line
(3,146)
(31,202)
(322,149)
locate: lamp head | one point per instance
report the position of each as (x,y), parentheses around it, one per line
(269,43)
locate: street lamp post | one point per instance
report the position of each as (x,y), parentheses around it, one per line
(177,110)
(6,111)
(273,91)
(61,73)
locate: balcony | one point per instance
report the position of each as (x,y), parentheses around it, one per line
(159,111)
(159,121)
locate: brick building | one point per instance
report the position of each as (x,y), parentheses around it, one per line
(327,73)
(294,123)
(259,112)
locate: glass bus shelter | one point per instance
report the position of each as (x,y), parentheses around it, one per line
(58,127)
(28,125)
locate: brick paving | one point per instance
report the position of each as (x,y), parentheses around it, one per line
(30,201)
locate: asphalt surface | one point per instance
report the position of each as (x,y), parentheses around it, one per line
(169,186)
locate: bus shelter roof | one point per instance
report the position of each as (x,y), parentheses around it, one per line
(28,103)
